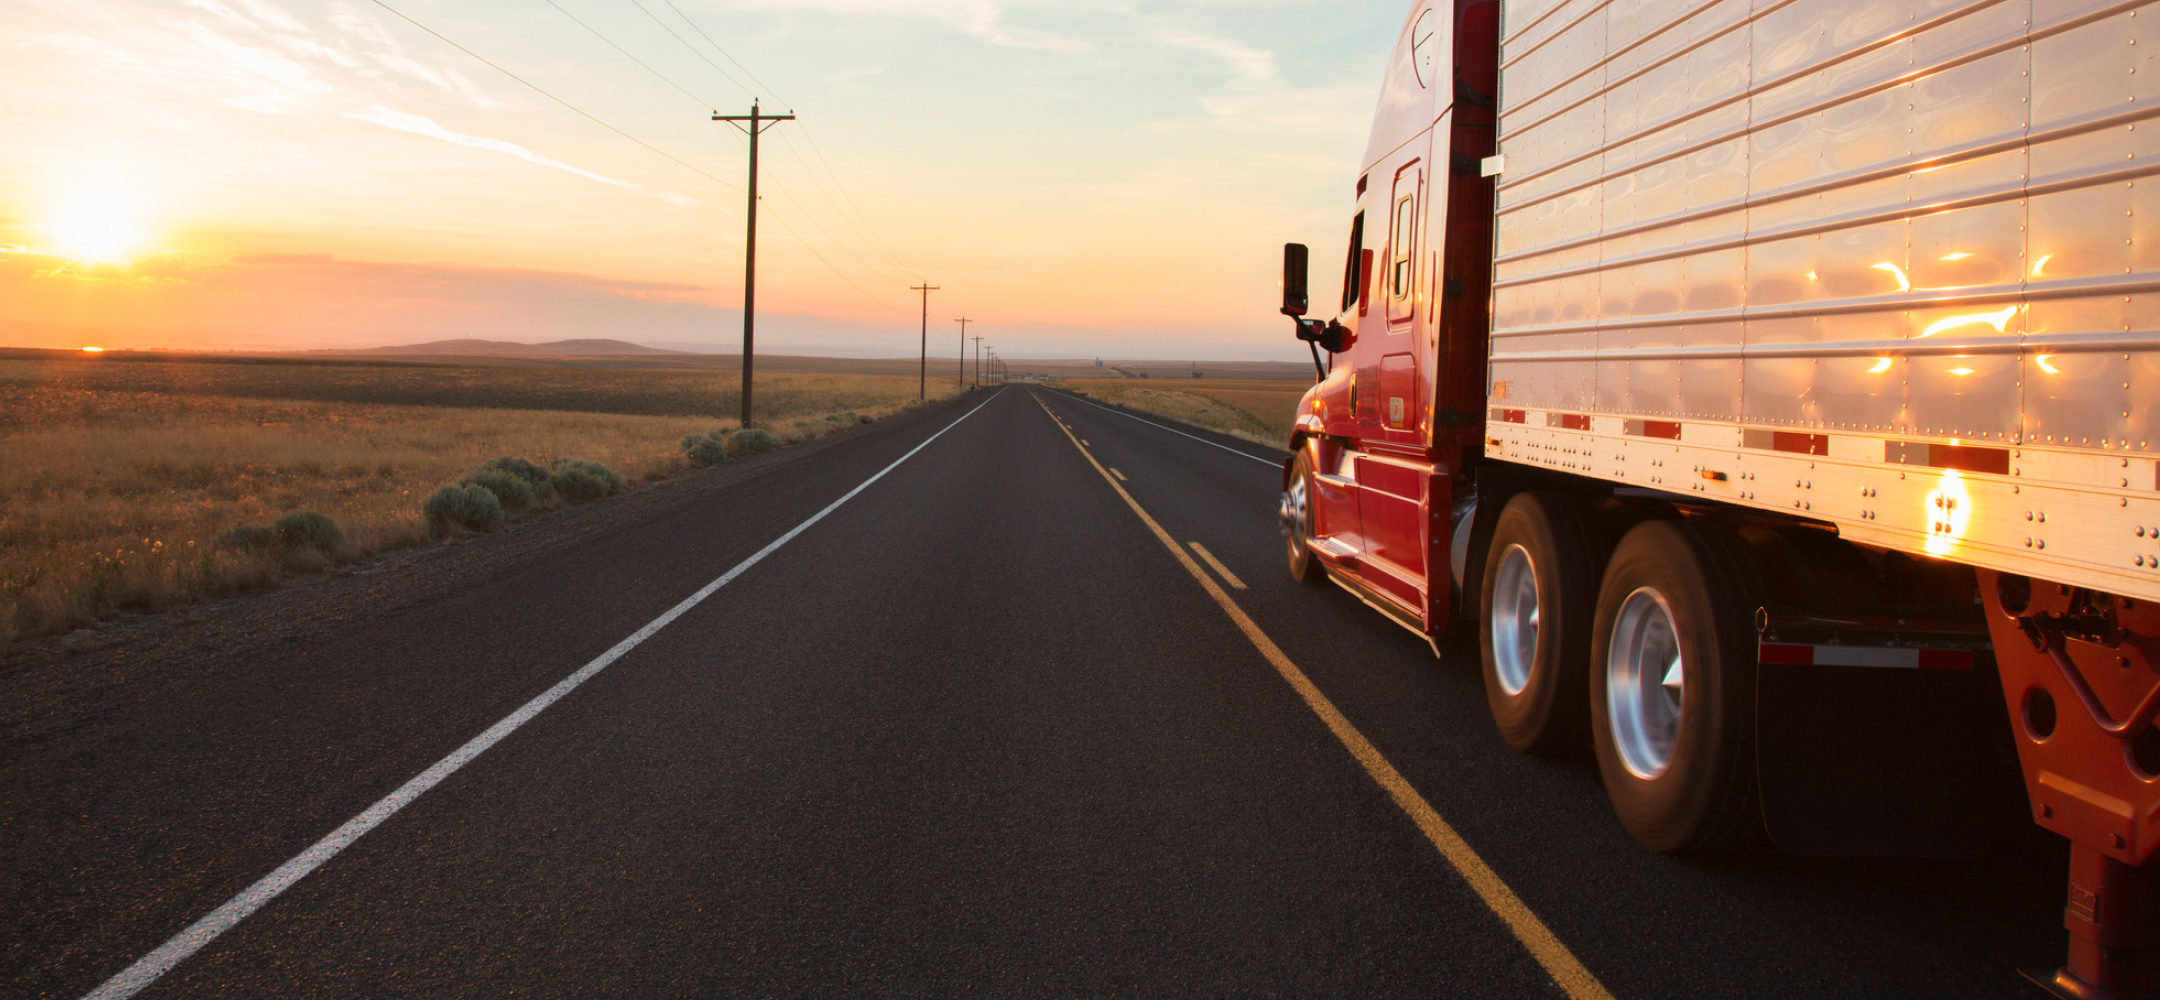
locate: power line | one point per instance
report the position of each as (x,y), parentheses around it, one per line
(790,195)
(537,89)
(693,51)
(878,240)
(808,215)
(841,212)
(775,95)
(626,54)
(875,242)
(777,217)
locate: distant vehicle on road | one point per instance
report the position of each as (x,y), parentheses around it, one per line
(1775,388)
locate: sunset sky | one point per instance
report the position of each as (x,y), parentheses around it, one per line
(1080,178)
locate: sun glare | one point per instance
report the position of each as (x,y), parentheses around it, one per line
(101,229)
(93,350)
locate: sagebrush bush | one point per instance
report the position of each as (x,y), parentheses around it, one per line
(306,529)
(578,479)
(462,507)
(248,538)
(709,448)
(511,490)
(752,441)
(533,473)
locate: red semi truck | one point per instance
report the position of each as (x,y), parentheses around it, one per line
(1774,386)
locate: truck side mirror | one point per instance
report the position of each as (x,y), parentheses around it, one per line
(1294,300)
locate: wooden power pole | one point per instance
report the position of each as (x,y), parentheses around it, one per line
(960,377)
(922,385)
(758,123)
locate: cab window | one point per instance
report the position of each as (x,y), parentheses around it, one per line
(1353,283)
(1399,254)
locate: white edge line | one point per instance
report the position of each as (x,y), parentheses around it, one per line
(148,969)
(1270,461)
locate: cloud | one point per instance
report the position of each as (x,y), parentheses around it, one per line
(1254,68)
(280,86)
(981,19)
(417,125)
(459,282)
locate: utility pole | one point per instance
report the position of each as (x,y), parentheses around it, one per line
(922,386)
(978,361)
(759,122)
(960,376)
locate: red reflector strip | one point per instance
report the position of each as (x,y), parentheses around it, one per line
(1778,652)
(1512,416)
(1966,458)
(1805,444)
(1946,659)
(1667,429)
(1575,421)
(1888,657)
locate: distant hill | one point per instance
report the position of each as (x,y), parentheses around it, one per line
(588,348)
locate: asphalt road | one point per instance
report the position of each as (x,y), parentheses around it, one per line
(976,732)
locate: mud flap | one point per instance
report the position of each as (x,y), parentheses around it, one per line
(1888,759)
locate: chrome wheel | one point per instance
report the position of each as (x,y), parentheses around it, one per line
(1514,621)
(1295,512)
(1645,680)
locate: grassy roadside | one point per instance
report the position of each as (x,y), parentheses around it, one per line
(1258,410)
(122,485)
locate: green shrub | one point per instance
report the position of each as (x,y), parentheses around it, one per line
(467,507)
(305,529)
(532,473)
(752,441)
(577,479)
(864,418)
(709,448)
(248,538)
(511,490)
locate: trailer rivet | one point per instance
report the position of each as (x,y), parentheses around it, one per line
(2117,838)
(2043,514)
(2140,531)
(2041,544)
(2046,811)
(2029,516)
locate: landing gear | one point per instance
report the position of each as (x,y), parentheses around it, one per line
(2082,681)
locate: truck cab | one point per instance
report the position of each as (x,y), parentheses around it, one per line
(1383,442)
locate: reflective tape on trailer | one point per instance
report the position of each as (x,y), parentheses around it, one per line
(1892,657)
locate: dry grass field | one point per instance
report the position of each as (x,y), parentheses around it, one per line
(119,474)
(1258,410)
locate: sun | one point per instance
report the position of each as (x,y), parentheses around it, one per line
(103,229)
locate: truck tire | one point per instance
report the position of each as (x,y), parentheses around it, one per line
(1536,601)
(1297,524)
(1672,687)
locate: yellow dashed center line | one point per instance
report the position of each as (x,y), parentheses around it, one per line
(1560,963)
(1216,565)
(1120,476)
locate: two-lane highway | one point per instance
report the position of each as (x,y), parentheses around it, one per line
(973,729)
